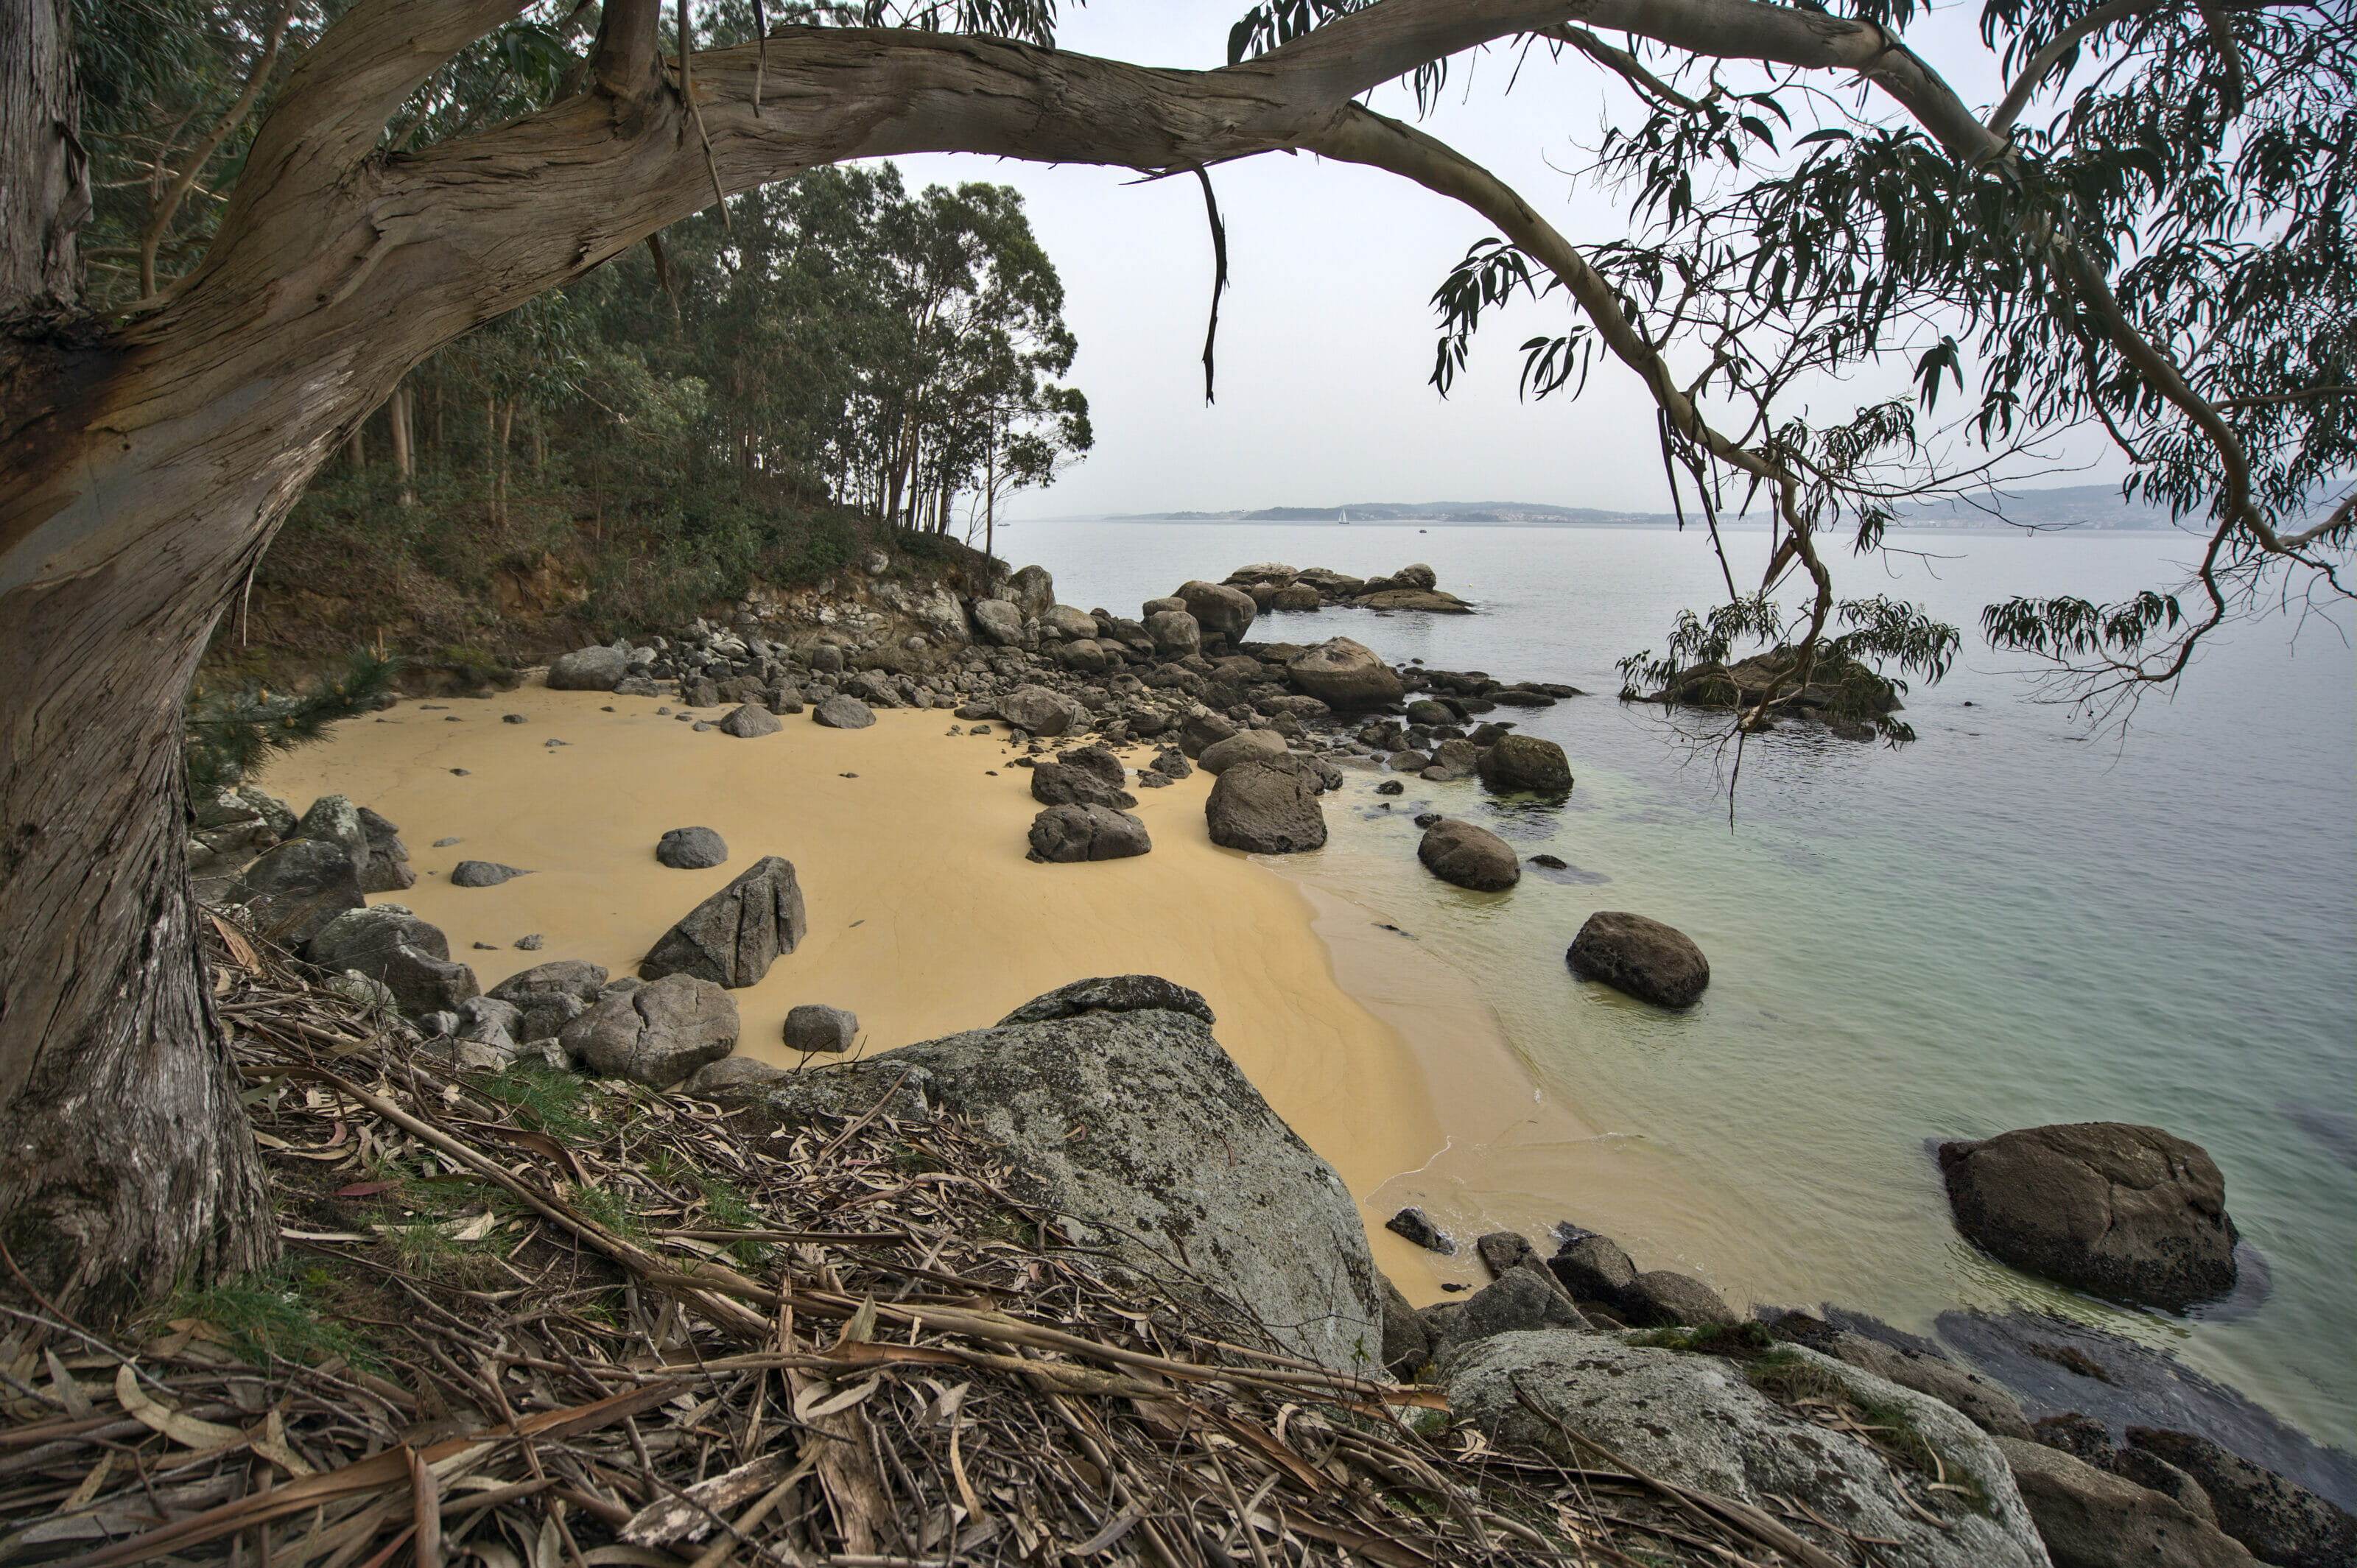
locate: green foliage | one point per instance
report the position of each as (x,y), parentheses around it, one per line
(561,1104)
(271,1315)
(1739,1340)
(231,733)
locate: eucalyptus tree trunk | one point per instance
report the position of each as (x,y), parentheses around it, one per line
(146,463)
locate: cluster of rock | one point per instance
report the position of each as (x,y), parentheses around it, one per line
(1841,694)
(1126,1124)
(1278,587)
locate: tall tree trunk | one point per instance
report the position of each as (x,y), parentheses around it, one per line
(43,173)
(404,455)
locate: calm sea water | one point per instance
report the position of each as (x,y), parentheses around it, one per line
(2013,921)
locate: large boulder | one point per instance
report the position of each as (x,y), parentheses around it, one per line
(1091,776)
(1064,835)
(1033,590)
(732,937)
(1519,1300)
(2092,1519)
(691,849)
(2279,1521)
(1200,731)
(1593,1268)
(1524,762)
(1035,709)
(550,995)
(1468,856)
(293,891)
(840,712)
(1664,1298)
(751,720)
(1345,674)
(589,669)
(1067,623)
(998,621)
(656,1034)
(1697,1421)
(409,956)
(1264,811)
(1140,1127)
(333,819)
(2126,1211)
(1244,746)
(1220,610)
(1176,633)
(814,1026)
(388,869)
(1640,955)
(1113,994)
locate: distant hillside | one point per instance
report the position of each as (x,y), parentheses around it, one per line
(2070,506)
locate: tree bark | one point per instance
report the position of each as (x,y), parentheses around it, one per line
(142,476)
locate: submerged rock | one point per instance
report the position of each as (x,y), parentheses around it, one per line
(1468,856)
(1640,955)
(1524,762)
(2124,1211)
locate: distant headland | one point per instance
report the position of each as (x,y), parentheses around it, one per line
(2071,505)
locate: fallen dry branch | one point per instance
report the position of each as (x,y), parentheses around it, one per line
(532,1322)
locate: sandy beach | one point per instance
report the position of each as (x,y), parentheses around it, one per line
(926,918)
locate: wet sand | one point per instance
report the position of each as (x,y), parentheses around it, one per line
(925,920)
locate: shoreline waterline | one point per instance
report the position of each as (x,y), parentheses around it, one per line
(926,920)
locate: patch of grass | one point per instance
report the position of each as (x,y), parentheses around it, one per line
(1741,1341)
(728,1209)
(611,1209)
(1790,1379)
(561,1104)
(271,1315)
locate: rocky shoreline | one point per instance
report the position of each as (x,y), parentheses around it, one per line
(1561,1353)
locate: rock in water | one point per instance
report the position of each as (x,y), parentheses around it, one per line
(1264,811)
(589,669)
(813,1026)
(1138,1125)
(691,849)
(1468,856)
(410,956)
(1035,709)
(296,889)
(2279,1521)
(657,1034)
(1219,610)
(732,937)
(1064,835)
(1650,961)
(483,874)
(1663,1298)
(1244,746)
(840,712)
(2122,1210)
(1345,675)
(1523,762)
(2092,1519)
(750,720)
(1696,1420)
(1413,1225)
(1594,1268)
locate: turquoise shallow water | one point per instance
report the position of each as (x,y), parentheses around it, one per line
(2010,922)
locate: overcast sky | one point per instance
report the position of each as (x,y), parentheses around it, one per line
(1326,336)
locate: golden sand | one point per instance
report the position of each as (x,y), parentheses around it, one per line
(926,918)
